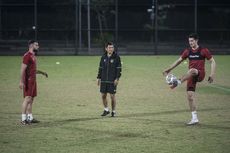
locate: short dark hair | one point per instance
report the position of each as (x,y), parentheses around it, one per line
(194,35)
(31,42)
(109,43)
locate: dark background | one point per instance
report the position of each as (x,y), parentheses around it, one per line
(62,25)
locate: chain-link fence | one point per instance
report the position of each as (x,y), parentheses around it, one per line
(136,26)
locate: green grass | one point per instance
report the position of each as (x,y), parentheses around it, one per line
(150,118)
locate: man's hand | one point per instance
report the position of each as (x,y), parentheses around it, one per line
(175,64)
(45,74)
(98,82)
(116,82)
(213,69)
(165,73)
(21,85)
(210,79)
(42,73)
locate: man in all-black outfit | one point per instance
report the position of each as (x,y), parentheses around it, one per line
(109,73)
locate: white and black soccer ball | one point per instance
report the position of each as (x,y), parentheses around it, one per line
(170,78)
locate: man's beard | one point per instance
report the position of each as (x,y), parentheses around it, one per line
(35,51)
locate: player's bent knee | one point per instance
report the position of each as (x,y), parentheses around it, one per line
(190,96)
(28,98)
(112,96)
(103,96)
(193,71)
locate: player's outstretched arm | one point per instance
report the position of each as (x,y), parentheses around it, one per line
(175,64)
(43,73)
(213,70)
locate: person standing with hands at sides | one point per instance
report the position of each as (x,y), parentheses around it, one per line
(196,73)
(28,81)
(108,76)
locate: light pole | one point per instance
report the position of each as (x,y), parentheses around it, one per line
(154,19)
(0,19)
(151,11)
(195,16)
(116,23)
(79,27)
(88,17)
(76,26)
(156,27)
(34,27)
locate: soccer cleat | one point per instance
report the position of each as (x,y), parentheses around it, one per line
(25,122)
(193,122)
(33,121)
(113,114)
(105,113)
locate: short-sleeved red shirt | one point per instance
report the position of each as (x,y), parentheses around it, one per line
(196,57)
(30,60)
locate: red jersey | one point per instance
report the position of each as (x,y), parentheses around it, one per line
(30,60)
(196,57)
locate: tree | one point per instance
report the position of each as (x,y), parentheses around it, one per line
(102,8)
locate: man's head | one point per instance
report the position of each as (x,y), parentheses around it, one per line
(193,40)
(33,45)
(109,47)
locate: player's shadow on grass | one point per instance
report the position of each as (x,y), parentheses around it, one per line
(137,116)
(18,113)
(166,112)
(89,129)
(65,121)
(80,119)
(178,124)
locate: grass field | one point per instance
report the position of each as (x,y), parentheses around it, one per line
(151,117)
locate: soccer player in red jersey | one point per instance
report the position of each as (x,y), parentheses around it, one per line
(28,81)
(196,73)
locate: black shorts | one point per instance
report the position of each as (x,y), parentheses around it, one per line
(108,88)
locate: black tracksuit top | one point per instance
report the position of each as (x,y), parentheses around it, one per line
(109,68)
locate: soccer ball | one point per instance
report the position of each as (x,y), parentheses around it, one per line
(170,78)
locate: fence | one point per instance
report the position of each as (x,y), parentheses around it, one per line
(79,27)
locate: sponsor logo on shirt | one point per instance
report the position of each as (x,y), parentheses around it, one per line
(194,56)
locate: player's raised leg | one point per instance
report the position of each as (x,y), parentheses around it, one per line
(191,73)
